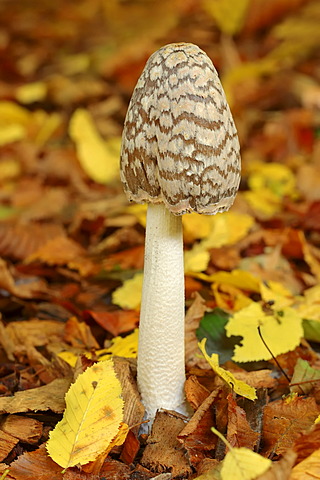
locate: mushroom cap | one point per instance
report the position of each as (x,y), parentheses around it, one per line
(179,144)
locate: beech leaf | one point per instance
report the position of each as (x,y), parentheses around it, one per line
(92,419)
(281,331)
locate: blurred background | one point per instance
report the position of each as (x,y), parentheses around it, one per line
(68,69)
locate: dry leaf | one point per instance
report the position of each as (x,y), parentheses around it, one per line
(284,420)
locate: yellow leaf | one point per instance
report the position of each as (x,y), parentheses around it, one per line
(69,357)
(13,122)
(139,211)
(227,229)
(276,177)
(31,92)
(196,226)
(226,295)
(309,306)
(99,159)
(196,259)
(309,257)
(264,202)
(229,14)
(129,294)
(238,278)
(276,293)
(281,331)
(93,415)
(308,469)
(240,387)
(121,347)
(242,463)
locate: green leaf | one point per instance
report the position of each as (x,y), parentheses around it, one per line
(212,327)
(311,330)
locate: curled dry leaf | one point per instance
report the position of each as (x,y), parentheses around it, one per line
(239,433)
(284,420)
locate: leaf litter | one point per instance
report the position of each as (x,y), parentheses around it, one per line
(71,249)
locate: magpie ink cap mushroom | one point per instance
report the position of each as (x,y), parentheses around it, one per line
(180,153)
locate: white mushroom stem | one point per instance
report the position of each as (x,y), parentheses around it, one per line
(161,362)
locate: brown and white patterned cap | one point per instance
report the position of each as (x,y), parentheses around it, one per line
(179,143)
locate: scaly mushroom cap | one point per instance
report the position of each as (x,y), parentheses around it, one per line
(179,143)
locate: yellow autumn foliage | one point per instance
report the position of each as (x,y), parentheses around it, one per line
(92,418)
(281,330)
(129,294)
(240,387)
(243,463)
(120,346)
(228,14)
(99,159)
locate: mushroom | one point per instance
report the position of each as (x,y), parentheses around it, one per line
(179,154)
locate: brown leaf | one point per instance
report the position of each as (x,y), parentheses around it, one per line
(79,335)
(18,336)
(48,397)
(195,392)
(18,285)
(64,251)
(280,470)
(256,379)
(308,469)
(126,259)
(26,429)
(307,442)
(133,408)
(18,241)
(261,15)
(284,420)
(7,442)
(239,433)
(130,448)
(163,452)
(193,316)
(197,437)
(115,322)
(36,465)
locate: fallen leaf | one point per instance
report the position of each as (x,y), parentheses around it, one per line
(129,294)
(281,331)
(308,469)
(163,451)
(239,433)
(303,373)
(99,159)
(193,317)
(7,443)
(121,347)
(64,251)
(197,437)
(229,15)
(94,412)
(47,397)
(35,465)
(284,420)
(115,322)
(238,386)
